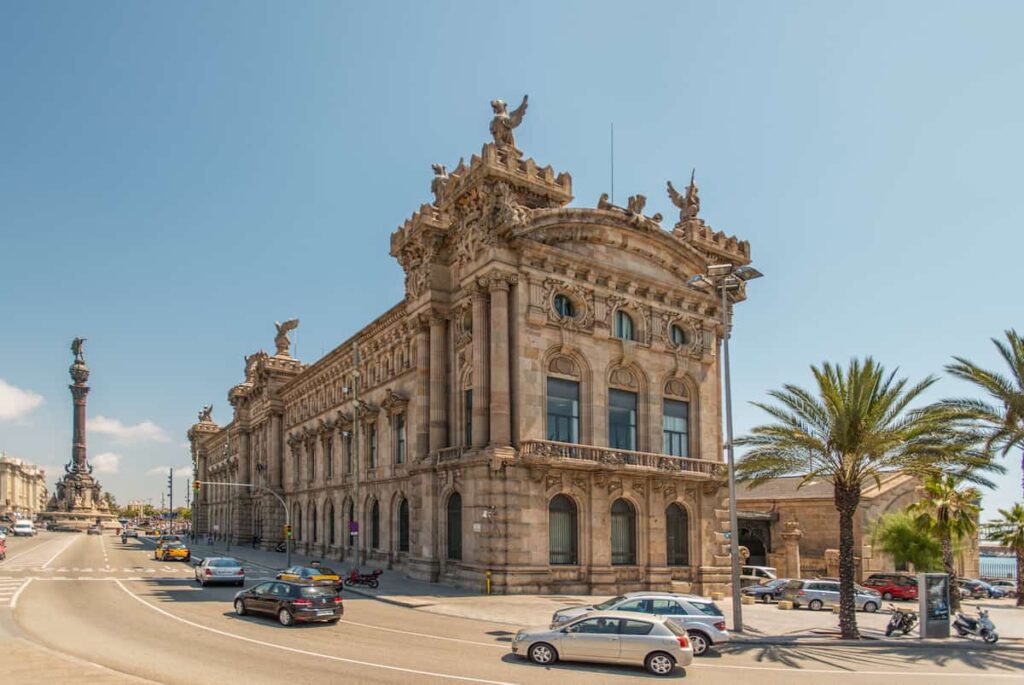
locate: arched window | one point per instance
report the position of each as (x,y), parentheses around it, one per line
(678,336)
(562,531)
(375,525)
(623,326)
(677,540)
(351,519)
(329,520)
(623,533)
(403,525)
(564,307)
(313,524)
(455,527)
(297,520)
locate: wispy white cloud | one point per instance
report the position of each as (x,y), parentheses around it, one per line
(15,403)
(179,471)
(144,431)
(106,462)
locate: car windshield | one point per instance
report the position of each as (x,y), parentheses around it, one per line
(324,571)
(223,563)
(318,591)
(175,545)
(707,608)
(611,602)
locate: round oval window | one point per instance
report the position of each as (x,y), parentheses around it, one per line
(563,306)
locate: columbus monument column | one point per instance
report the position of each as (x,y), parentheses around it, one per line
(78,501)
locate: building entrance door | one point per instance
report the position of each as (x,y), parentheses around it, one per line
(756,537)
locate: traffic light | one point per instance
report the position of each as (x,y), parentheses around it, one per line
(288,532)
(195,485)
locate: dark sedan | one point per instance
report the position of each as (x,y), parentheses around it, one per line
(770,590)
(291,602)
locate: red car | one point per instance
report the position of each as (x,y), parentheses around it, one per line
(893,585)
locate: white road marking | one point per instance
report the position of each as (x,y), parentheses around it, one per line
(816,671)
(14,599)
(432,637)
(62,550)
(304,652)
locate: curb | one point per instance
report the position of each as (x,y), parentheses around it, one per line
(1013,644)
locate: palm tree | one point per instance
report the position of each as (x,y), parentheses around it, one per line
(950,513)
(898,535)
(1002,421)
(855,428)
(1009,532)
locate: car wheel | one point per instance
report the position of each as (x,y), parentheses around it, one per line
(700,643)
(887,596)
(542,653)
(870,607)
(659,663)
(240,607)
(766,598)
(285,618)
(333,620)
(815,605)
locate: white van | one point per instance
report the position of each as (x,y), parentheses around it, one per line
(24,527)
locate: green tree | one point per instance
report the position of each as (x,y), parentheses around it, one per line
(950,513)
(1009,532)
(898,535)
(853,429)
(1001,419)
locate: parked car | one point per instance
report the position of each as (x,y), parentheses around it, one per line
(94,530)
(220,570)
(311,574)
(972,589)
(991,591)
(171,551)
(660,643)
(767,590)
(24,527)
(816,594)
(700,616)
(1007,586)
(893,585)
(291,602)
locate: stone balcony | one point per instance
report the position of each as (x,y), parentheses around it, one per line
(547,452)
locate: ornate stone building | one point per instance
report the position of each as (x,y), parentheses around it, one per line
(22,488)
(542,405)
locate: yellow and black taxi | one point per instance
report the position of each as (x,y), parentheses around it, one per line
(172,551)
(290,602)
(164,539)
(311,574)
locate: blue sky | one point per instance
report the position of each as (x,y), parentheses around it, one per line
(174,177)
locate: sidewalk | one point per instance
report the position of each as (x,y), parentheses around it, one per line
(763,623)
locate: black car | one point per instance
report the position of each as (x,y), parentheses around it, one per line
(767,591)
(291,602)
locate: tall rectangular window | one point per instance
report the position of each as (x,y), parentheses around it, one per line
(467,419)
(348,452)
(621,420)
(563,410)
(676,428)
(400,439)
(329,456)
(310,461)
(371,446)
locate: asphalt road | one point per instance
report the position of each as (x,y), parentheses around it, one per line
(77,608)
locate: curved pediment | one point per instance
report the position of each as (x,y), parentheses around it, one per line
(595,233)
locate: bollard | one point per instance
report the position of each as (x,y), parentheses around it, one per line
(746,599)
(718,596)
(487,575)
(785,604)
(835,608)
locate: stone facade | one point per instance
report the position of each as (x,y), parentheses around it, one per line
(454,460)
(22,488)
(780,519)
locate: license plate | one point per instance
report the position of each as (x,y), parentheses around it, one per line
(324,613)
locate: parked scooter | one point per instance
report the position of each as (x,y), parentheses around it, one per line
(979,627)
(901,621)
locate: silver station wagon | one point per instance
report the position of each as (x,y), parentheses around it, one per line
(818,594)
(659,643)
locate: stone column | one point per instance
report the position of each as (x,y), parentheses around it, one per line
(791,535)
(481,387)
(438,400)
(421,401)
(276,451)
(244,458)
(501,429)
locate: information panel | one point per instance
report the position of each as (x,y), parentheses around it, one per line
(933,598)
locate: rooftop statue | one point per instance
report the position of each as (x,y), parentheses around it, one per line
(689,205)
(76,349)
(439,181)
(206,414)
(281,339)
(503,122)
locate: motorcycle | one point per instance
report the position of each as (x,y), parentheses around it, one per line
(368,579)
(981,627)
(902,621)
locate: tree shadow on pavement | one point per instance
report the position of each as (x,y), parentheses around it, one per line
(854,658)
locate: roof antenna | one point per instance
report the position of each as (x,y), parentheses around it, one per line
(613,161)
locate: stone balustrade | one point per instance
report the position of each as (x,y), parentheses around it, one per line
(548,450)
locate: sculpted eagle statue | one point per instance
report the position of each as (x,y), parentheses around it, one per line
(281,339)
(689,205)
(504,121)
(206,413)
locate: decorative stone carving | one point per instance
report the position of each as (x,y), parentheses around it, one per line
(624,377)
(439,182)
(281,340)
(394,403)
(676,388)
(614,486)
(639,487)
(206,414)
(504,121)
(564,366)
(553,481)
(580,484)
(689,205)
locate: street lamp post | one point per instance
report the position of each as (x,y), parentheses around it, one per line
(355,452)
(728,278)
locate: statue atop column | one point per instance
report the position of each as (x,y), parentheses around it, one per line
(504,121)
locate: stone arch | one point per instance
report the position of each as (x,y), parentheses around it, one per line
(674,546)
(626,531)
(584,378)
(564,516)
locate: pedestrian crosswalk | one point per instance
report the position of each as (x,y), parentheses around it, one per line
(8,589)
(39,556)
